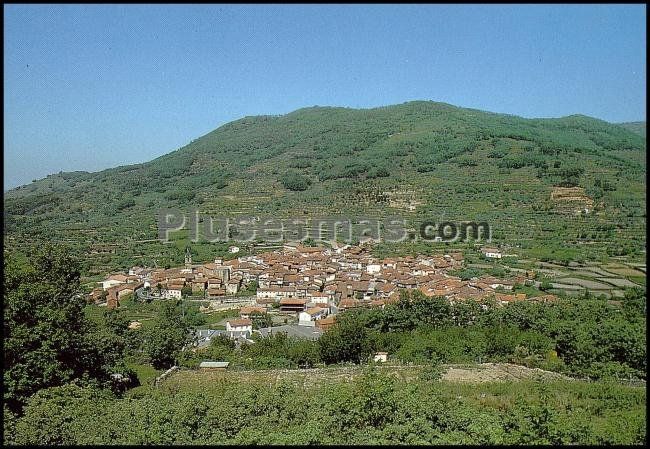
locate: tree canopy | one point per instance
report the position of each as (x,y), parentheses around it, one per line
(48,341)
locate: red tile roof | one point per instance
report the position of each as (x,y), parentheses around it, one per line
(240,322)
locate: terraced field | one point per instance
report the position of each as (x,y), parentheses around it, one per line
(577,278)
(608,282)
(478,373)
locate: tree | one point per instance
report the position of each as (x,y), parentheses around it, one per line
(47,339)
(192,315)
(221,348)
(346,341)
(293,180)
(49,416)
(250,290)
(261,320)
(113,339)
(304,353)
(634,304)
(168,335)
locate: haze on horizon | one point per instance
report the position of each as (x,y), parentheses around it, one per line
(88,87)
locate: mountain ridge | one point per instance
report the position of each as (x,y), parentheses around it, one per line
(634,127)
(417,159)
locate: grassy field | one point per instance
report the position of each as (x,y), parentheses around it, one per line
(216,320)
(146,375)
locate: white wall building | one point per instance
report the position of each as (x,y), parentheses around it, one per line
(108,283)
(171,293)
(232,288)
(492,253)
(240,327)
(309,316)
(373,268)
(380,357)
(305,319)
(263,293)
(276,293)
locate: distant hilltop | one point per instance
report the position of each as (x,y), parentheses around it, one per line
(635,127)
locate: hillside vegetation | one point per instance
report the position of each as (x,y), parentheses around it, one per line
(636,127)
(373,409)
(418,160)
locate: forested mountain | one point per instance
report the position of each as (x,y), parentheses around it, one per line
(419,160)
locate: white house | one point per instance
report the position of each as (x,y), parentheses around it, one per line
(172,293)
(372,268)
(264,293)
(304,319)
(113,280)
(232,287)
(136,271)
(380,357)
(318,297)
(503,284)
(276,293)
(492,253)
(309,316)
(239,327)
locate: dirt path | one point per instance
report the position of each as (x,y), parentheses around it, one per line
(498,372)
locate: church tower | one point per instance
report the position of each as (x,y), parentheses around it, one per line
(188,257)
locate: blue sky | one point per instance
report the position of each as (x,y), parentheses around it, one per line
(89,87)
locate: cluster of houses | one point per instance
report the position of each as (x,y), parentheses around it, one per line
(210,280)
(314,283)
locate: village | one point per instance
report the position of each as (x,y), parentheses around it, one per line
(309,285)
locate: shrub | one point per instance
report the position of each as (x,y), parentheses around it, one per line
(295,181)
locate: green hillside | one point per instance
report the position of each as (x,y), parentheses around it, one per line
(635,127)
(418,160)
